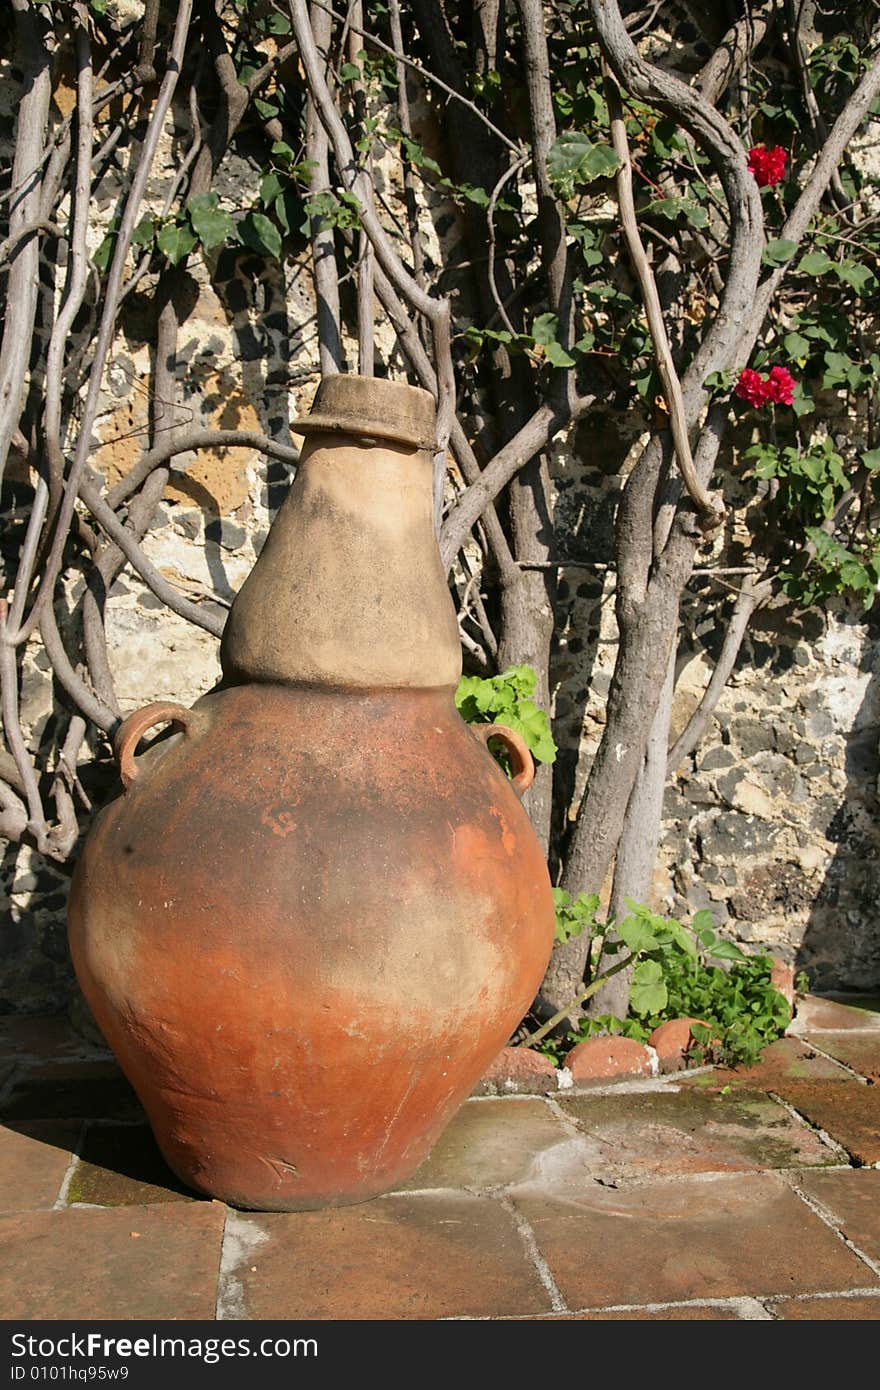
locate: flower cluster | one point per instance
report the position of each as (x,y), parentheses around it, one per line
(777,386)
(768,166)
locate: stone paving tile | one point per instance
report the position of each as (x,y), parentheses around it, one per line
(859,1308)
(690,1312)
(33,1162)
(822,1015)
(490,1143)
(852,1196)
(85,1090)
(847,1110)
(683,1312)
(674,1241)
(121,1166)
(672,1132)
(861,1051)
(430,1256)
(787,1059)
(137,1262)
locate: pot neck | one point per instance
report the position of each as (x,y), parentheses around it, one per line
(349,589)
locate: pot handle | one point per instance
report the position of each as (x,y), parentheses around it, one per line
(132,730)
(522,762)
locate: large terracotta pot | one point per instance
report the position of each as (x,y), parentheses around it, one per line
(317,910)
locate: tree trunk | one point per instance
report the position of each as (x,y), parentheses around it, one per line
(527,613)
(645,641)
(637,849)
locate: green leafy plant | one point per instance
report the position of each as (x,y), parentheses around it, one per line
(574,160)
(574,915)
(678,972)
(507,699)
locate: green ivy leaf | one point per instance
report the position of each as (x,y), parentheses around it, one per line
(557,356)
(871,460)
(175,241)
(797,347)
(673,208)
(573,158)
(288,209)
(545,329)
(283,152)
(840,370)
(815,263)
(858,277)
(778,252)
(719,383)
(104,253)
(666,139)
(144,232)
(260,234)
(270,187)
(210,223)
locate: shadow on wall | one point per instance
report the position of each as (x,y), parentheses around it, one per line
(840,948)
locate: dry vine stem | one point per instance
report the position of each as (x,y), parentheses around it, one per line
(435,310)
(710,511)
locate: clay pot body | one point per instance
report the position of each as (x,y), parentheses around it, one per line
(318,910)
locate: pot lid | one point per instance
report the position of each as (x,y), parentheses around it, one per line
(374,407)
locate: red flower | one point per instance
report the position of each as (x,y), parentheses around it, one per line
(768,166)
(751,387)
(780,386)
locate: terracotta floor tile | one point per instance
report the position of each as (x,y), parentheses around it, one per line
(120,1165)
(136,1262)
(847,1110)
(684,1312)
(490,1143)
(694,1130)
(861,1051)
(430,1256)
(690,1312)
(853,1199)
(859,1308)
(671,1241)
(33,1161)
(790,1059)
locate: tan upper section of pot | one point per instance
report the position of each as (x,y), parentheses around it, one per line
(349,589)
(372,408)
